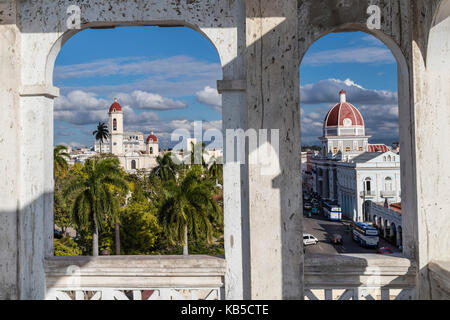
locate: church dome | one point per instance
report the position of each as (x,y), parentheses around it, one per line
(343,117)
(115,107)
(152,138)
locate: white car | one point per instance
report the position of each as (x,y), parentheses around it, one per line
(309,239)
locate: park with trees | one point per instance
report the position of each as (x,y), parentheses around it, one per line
(99,209)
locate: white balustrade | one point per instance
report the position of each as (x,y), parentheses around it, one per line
(359,277)
(135,278)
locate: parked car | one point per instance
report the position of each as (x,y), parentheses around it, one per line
(384,250)
(309,239)
(336,239)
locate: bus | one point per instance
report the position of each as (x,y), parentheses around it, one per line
(365,234)
(332,211)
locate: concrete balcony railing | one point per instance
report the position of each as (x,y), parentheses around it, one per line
(368,194)
(388,194)
(439,272)
(326,277)
(135,278)
(359,277)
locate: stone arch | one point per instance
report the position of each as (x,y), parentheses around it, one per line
(393,233)
(438,37)
(66,36)
(399,236)
(386,229)
(380,226)
(316,22)
(220,23)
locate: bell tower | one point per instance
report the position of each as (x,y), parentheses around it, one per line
(116,128)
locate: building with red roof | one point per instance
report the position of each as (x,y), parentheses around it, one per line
(344,129)
(134,150)
(350,171)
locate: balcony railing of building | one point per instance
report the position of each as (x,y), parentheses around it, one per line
(327,277)
(388,194)
(368,194)
(135,278)
(359,277)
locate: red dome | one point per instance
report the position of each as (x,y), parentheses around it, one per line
(115,107)
(341,112)
(152,138)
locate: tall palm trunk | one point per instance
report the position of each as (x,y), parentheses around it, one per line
(100,146)
(117,240)
(95,239)
(185,245)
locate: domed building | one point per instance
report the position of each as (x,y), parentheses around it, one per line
(135,152)
(343,129)
(349,171)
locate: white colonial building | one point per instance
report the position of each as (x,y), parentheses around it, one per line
(349,170)
(133,150)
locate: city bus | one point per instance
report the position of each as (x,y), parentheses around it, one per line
(365,234)
(332,211)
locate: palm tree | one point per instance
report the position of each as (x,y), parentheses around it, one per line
(215,170)
(95,203)
(60,156)
(166,168)
(196,156)
(101,134)
(188,206)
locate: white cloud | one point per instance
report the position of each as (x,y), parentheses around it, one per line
(80,107)
(210,97)
(146,100)
(373,40)
(381,123)
(168,67)
(367,55)
(79,100)
(379,109)
(327,91)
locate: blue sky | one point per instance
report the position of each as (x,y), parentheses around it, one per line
(165,78)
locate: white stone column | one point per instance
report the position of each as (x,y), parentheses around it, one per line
(35,229)
(26,168)
(273,104)
(10,40)
(426,231)
(235,179)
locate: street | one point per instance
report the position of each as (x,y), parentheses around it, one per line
(322,228)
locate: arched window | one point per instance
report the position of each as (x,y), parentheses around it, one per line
(115,125)
(133,164)
(388,184)
(151,150)
(368,185)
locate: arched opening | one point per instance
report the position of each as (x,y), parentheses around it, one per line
(131,91)
(388,184)
(393,235)
(387,230)
(351,90)
(400,237)
(368,185)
